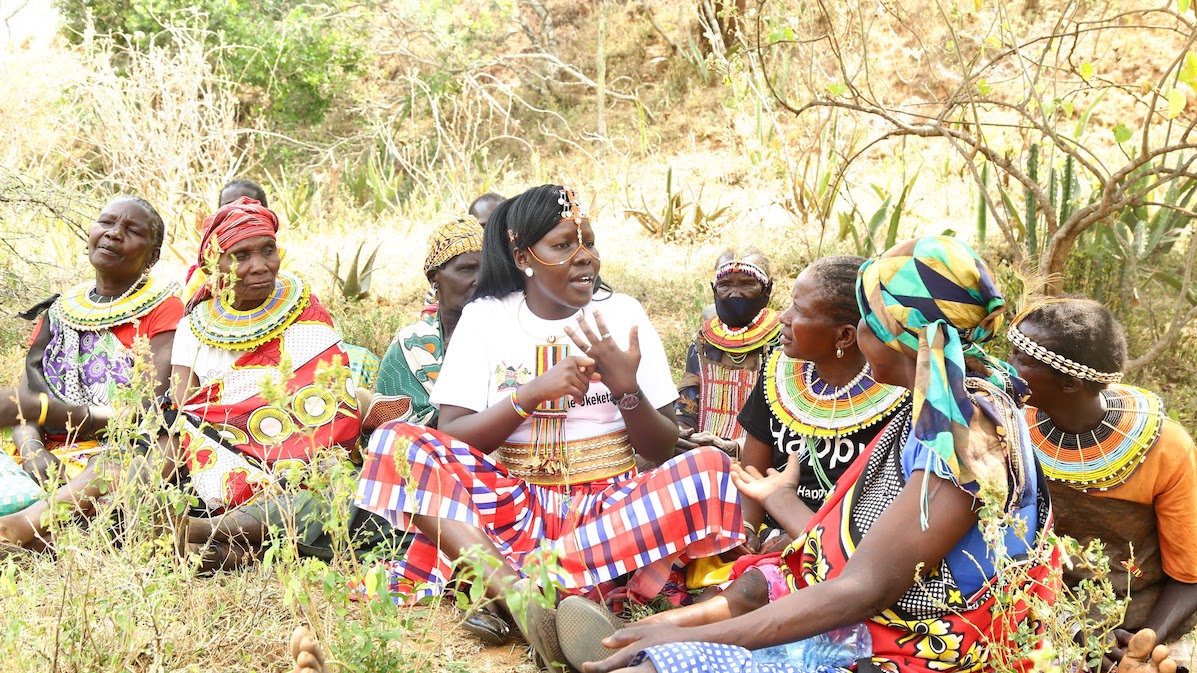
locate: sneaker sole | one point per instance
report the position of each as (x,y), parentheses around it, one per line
(581,627)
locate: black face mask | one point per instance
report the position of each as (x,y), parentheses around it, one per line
(737,312)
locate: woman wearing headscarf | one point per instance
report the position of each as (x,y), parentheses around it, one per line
(907,509)
(413,361)
(246,325)
(723,361)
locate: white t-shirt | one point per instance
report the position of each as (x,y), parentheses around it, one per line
(208,363)
(493,352)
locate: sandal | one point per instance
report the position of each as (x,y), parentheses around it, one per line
(581,627)
(489,626)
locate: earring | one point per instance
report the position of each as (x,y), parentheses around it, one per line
(528,272)
(434,286)
(839,352)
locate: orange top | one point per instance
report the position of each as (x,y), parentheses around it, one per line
(1167,480)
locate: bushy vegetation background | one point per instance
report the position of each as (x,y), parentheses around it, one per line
(1053,134)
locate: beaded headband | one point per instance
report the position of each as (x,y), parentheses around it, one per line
(739,266)
(1058,362)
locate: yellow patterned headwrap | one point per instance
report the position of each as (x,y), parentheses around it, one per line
(455,238)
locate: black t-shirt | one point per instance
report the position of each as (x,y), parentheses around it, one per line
(835,454)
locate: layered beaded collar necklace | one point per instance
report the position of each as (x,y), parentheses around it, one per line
(1107,455)
(215,323)
(740,341)
(810,406)
(82,309)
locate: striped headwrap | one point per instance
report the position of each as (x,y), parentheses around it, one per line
(232,223)
(933,298)
(458,237)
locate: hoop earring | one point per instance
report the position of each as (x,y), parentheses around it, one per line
(839,352)
(528,272)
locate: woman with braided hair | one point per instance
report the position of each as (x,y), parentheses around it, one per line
(1118,468)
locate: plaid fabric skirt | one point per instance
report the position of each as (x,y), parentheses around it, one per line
(687,508)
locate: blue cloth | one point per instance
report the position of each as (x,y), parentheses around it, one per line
(824,653)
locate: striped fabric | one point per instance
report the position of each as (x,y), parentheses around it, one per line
(687,508)
(935,299)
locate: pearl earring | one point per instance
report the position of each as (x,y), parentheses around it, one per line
(839,352)
(528,272)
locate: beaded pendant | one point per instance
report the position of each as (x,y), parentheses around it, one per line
(78,310)
(1108,455)
(809,406)
(764,328)
(219,325)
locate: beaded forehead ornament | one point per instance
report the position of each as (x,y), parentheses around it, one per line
(739,266)
(1056,361)
(570,210)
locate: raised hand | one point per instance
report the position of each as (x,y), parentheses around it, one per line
(616,367)
(758,488)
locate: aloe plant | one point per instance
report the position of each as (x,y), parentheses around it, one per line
(355,284)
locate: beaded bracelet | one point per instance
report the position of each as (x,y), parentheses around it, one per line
(518,409)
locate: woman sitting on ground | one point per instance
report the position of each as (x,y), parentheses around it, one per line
(82,354)
(816,397)
(907,509)
(413,362)
(551,387)
(238,444)
(1118,468)
(723,361)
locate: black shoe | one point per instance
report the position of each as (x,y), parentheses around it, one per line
(489,626)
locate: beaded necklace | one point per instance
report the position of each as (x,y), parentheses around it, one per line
(810,406)
(1107,455)
(763,329)
(79,310)
(217,324)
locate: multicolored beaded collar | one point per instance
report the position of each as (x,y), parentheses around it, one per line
(764,328)
(79,311)
(219,325)
(1108,455)
(809,406)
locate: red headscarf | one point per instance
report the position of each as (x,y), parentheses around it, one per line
(232,223)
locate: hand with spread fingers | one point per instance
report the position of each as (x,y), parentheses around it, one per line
(760,489)
(570,377)
(616,367)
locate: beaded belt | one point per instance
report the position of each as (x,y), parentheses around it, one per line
(581,461)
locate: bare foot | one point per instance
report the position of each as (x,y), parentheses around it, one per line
(306,652)
(1143,655)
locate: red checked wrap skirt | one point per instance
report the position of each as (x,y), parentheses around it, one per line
(687,508)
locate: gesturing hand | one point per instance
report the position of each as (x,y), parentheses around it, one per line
(616,367)
(569,377)
(752,485)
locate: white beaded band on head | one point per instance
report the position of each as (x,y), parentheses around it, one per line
(740,266)
(1058,362)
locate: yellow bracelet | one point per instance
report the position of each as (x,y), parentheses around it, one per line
(518,409)
(44,399)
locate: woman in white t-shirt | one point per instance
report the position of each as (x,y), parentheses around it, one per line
(551,386)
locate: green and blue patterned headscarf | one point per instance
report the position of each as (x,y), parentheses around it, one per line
(934,299)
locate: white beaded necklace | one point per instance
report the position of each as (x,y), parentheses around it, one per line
(836,392)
